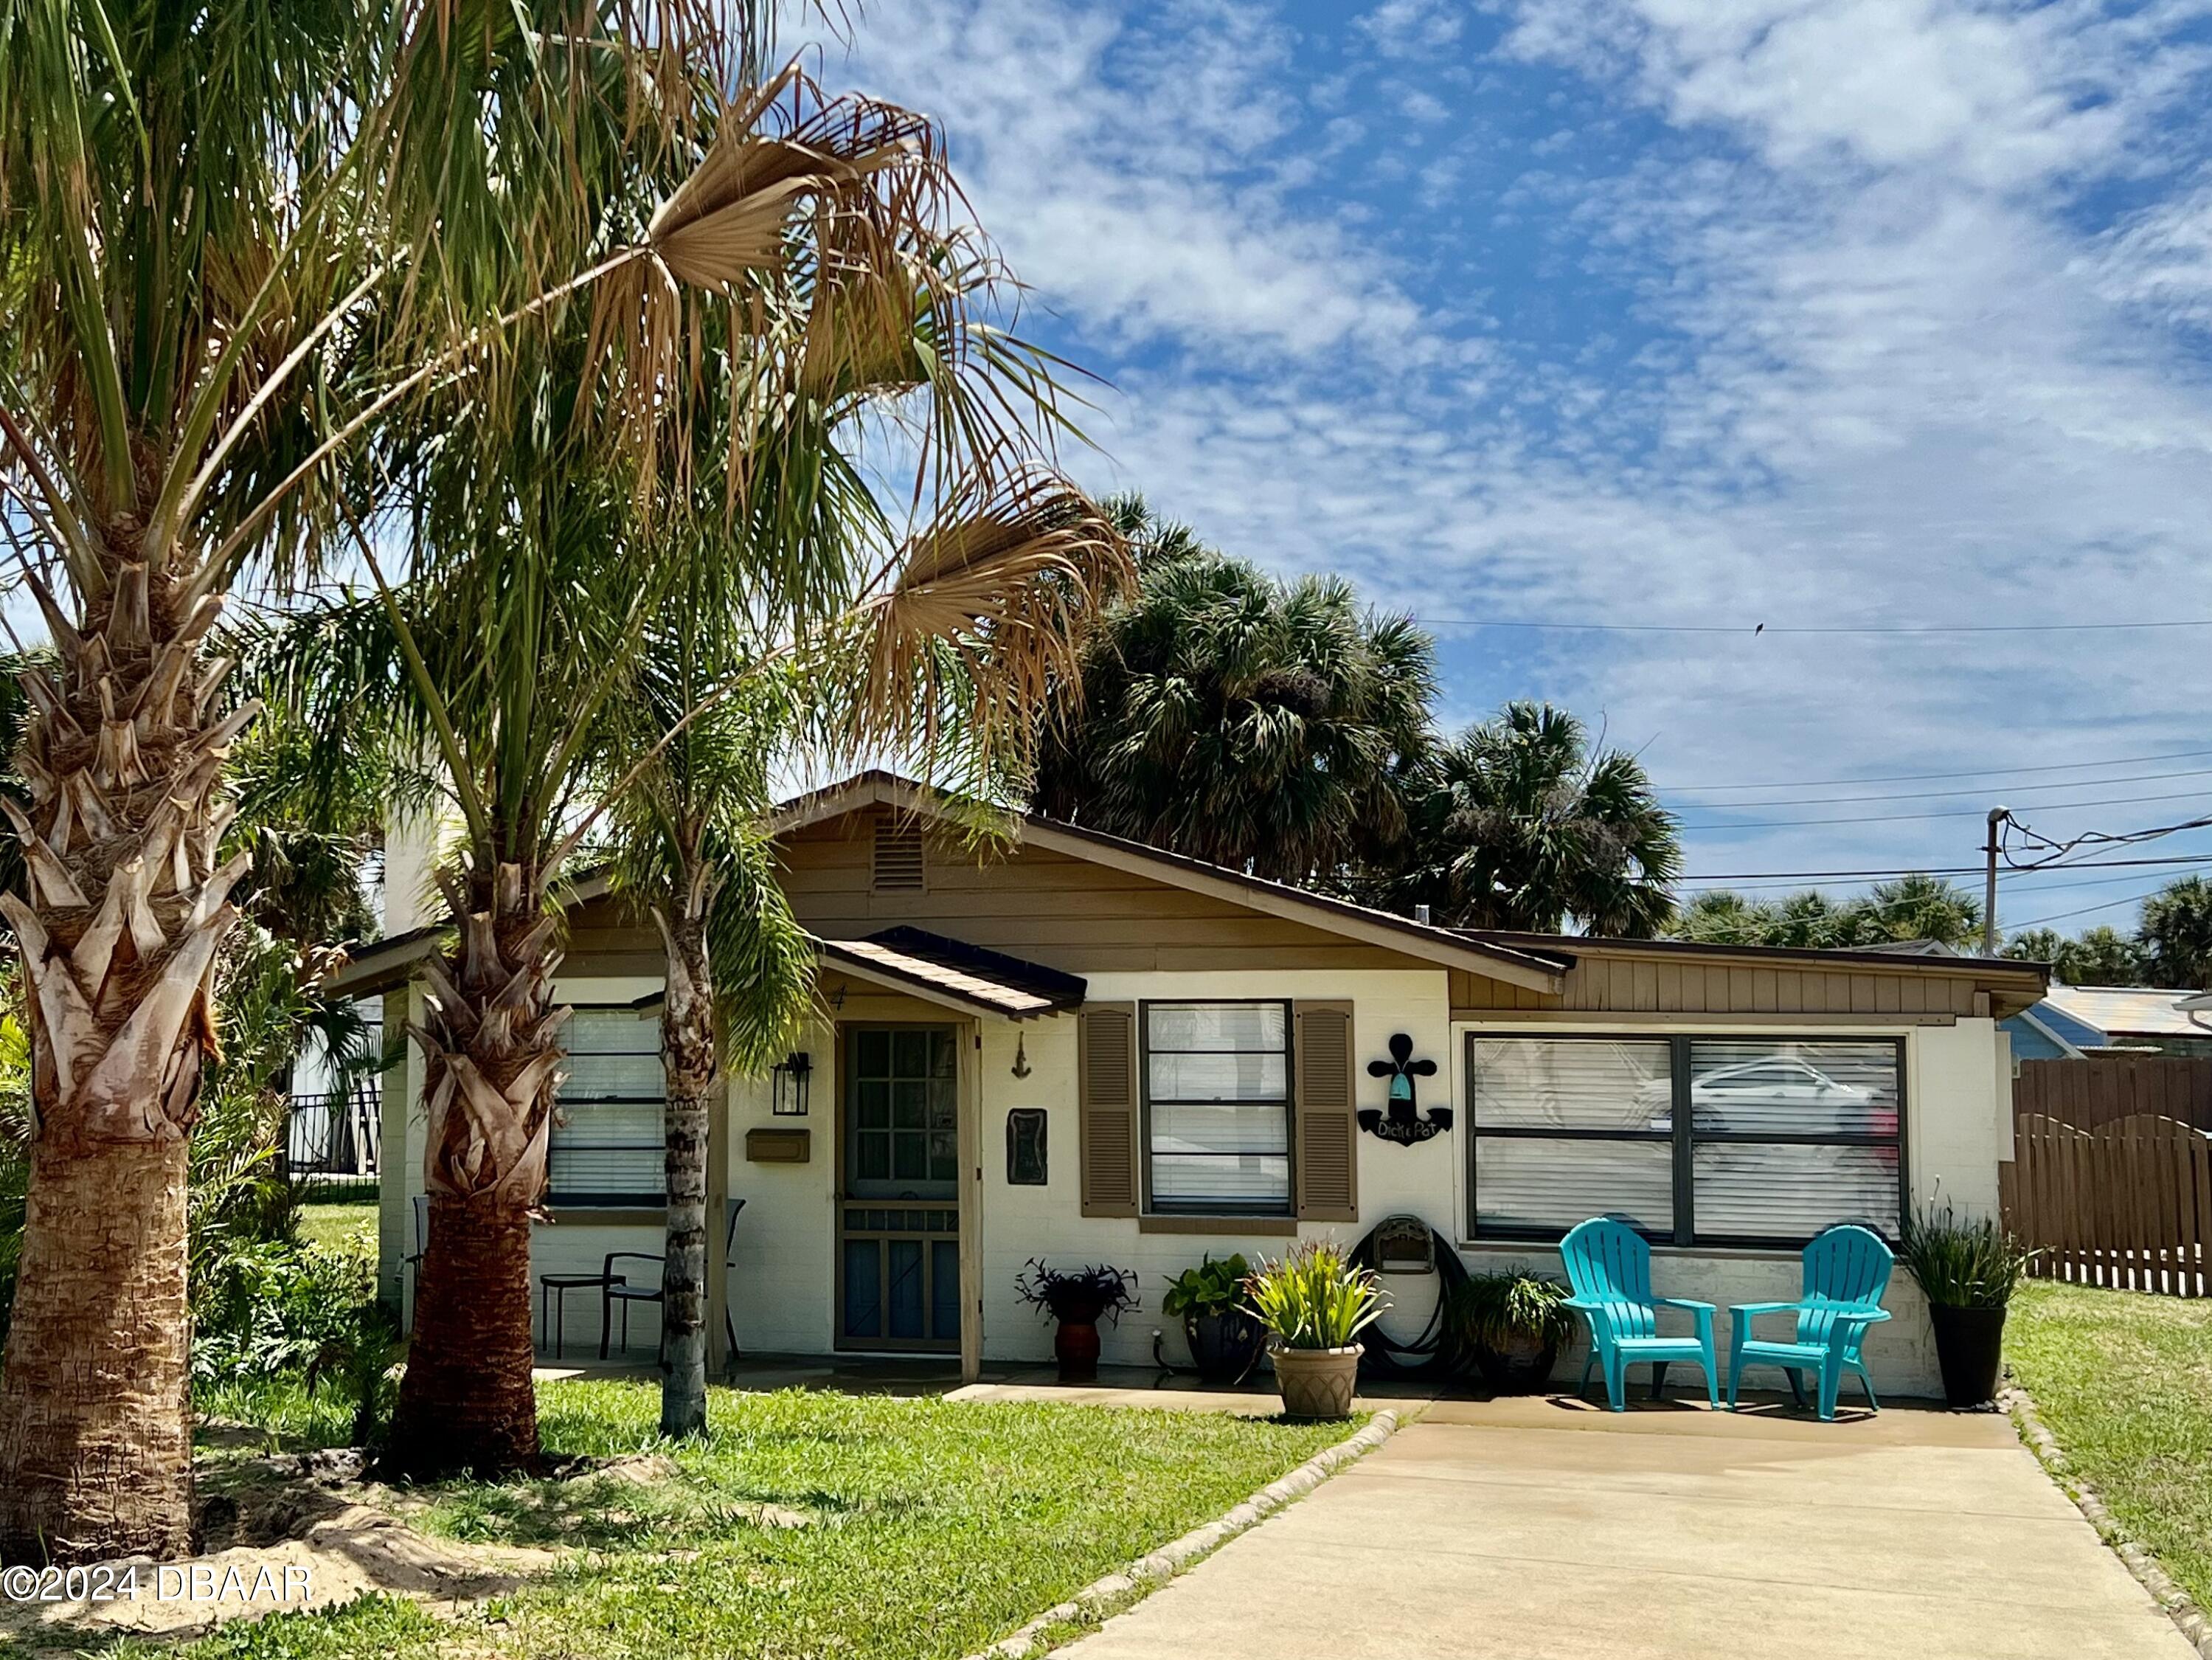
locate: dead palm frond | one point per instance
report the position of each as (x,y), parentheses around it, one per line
(984,612)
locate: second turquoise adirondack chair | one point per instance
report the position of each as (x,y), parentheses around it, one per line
(1609,1266)
(1846,1270)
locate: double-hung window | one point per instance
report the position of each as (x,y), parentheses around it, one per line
(609,1144)
(1739,1140)
(1217,1108)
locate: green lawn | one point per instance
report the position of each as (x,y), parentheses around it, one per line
(2124,1382)
(933,1528)
(340,1226)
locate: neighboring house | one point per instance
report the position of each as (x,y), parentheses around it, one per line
(2073,1021)
(1078,1047)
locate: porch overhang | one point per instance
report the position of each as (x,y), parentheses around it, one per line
(954,974)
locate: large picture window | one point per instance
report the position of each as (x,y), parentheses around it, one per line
(1217,1108)
(609,1144)
(1741,1140)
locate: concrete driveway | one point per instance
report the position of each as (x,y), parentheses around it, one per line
(1522,1528)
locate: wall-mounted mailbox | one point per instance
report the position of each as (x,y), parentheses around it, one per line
(779,1146)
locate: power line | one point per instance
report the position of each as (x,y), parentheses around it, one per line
(1918,777)
(1942,870)
(1923,795)
(2041,888)
(2055,850)
(1895,817)
(1755,629)
(2061,916)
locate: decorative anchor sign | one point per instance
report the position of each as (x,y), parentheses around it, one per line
(1405,1123)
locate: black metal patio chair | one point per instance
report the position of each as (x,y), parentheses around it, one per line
(616,1288)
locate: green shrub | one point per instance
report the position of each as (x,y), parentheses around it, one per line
(1963,1264)
(272,1305)
(1212,1287)
(1497,1311)
(1315,1299)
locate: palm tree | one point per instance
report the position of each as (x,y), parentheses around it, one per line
(943,659)
(2177,934)
(1916,906)
(1234,718)
(2101,956)
(544,577)
(234,241)
(1517,824)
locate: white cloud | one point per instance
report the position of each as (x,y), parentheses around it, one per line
(2161,261)
(1886,353)
(1137,177)
(1402,28)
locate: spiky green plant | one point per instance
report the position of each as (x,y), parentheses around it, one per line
(1963,1263)
(1497,1310)
(1314,1298)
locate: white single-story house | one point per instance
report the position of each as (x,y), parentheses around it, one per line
(1070,1046)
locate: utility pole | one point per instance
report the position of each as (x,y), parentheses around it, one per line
(1997,816)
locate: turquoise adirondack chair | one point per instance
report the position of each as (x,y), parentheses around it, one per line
(1609,1266)
(1846,1270)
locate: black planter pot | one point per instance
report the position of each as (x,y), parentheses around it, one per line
(1223,1346)
(1523,1368)
(1969,1346)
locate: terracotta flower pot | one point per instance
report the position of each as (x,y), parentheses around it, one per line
(1317,1383)
(1075,1346)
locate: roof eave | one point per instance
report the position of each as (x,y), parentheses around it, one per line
(1341,917)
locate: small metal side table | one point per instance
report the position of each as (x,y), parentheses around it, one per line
(553,1291)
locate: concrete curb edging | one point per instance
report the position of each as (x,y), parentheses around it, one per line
(2179,1605)
(1101,1598)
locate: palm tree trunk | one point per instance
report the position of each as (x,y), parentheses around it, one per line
(98,1454)
(690,1061)
(491,1046)
(119,930)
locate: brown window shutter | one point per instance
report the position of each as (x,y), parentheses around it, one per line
(1327,1125)
(1106,1096)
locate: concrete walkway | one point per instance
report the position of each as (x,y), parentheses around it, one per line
(1528,1528)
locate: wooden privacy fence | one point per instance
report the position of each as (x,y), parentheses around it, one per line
(2127,1204)
(2087,1093)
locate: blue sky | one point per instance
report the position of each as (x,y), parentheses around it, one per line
(1687,313)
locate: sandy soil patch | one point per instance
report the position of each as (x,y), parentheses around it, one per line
(283,1535)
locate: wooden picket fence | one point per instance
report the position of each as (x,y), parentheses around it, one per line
(2126,1204)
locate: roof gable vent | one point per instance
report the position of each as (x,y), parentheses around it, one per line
(899,867)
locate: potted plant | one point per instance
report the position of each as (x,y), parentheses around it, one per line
(1225,1339)
(1315,1303)
(1968,1270)
(1513,1325)
(1078,1299)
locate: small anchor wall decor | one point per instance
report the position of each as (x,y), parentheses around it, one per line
(1404,1123)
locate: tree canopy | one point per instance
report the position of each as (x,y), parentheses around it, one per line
(1522,823)
(1908,908)
(2176,934)
(1223,714)
(2101,956)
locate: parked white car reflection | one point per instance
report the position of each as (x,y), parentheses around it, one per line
(1778,1093)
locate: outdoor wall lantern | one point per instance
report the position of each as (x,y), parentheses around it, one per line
(1403,1122)
(792,1073)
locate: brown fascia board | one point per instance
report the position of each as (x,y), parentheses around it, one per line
(1530,969)
(2025,980)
